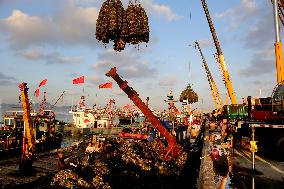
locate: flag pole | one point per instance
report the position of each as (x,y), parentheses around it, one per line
(72,100)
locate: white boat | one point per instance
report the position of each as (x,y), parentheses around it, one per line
(87,118)
(92,117)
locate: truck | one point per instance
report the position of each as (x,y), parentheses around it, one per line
(265,116)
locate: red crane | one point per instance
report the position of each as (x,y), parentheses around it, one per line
(173,149)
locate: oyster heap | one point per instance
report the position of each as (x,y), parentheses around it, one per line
(121,27)
(124,165)
(68,179)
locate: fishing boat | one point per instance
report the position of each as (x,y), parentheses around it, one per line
(95,120)
(11,133)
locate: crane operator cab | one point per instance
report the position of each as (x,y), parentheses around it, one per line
(278,97)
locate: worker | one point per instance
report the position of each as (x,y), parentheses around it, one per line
(61,163)
(233,139)
(224,130)
(89,151)
(26,167)
(90,148)
(215,154)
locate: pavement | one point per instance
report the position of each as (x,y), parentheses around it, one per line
(268,173)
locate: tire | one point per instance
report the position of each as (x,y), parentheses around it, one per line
(280,148)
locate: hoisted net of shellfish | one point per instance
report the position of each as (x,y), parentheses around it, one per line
(119,44)
(135,25)
(109,22)
(115,19)
(102,24)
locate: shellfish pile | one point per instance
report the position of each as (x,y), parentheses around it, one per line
(123,164)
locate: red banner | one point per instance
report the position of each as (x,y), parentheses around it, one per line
(42,83)
(79,80)
(106,85)
(127,106)
(37,93)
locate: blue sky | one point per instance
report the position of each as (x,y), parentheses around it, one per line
(55,40)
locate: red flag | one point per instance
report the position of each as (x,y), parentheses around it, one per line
(79,80)
(86,121)
(42,83)
(37,93)
(106,85)
(127,106)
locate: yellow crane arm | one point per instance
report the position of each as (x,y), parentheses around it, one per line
(213,87)
(27,116)
(278,44)
(221,59)
(214,97)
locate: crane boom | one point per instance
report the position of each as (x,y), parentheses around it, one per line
(27,116)
(221,59)
(173,148)
(280,10)
(214,90)
(278,44)
(61,96)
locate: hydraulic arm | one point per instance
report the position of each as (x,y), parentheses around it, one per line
(221,60)
(60,97)
(25,165)
(173,148)
(27,116)
(278,45)
(213,87)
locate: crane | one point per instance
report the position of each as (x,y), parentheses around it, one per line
(61,96)
(280,10)
(214,90)
(28,151)
(221,60)
(278,44)
(173,149)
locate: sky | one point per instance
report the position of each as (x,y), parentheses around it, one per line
(55,40)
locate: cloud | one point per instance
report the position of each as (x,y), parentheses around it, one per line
(246,9)
(151,7)
(160,10)
(96,80)
(70,26)
(24,30)
(168,81)
(49,58)
(267,53)
(258,38)
(128,63)
(261,64)
(6,80)
(118,92)
(205,42)
(259,35)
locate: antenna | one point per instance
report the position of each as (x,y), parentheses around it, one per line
(189,64)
